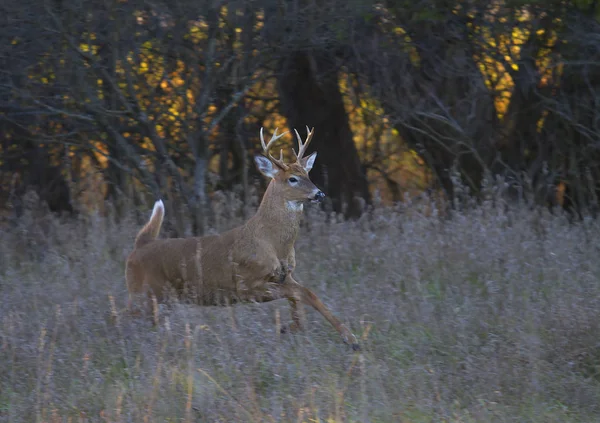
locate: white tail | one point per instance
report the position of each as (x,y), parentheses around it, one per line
(150,231)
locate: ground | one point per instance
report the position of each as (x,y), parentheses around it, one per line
(483,316)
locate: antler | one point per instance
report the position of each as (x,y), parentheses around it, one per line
(302,147)
(267,146)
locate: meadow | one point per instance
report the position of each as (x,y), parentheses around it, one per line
(488,314)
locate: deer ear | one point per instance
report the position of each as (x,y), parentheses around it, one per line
(265,166)
(308,162)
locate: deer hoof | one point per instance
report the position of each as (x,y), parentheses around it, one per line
(355,346)
(291,328)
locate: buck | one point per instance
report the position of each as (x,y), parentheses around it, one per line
(252,262)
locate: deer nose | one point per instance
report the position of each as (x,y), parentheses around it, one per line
(319,196)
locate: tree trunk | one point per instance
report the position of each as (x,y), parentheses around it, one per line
(108,58)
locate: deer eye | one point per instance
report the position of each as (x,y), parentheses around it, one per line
(293,179)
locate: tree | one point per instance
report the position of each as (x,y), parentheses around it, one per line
(167,98)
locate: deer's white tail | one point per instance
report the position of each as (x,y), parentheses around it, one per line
(151,229)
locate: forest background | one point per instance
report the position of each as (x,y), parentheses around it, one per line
(130,101)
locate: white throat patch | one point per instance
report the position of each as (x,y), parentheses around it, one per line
(296,206)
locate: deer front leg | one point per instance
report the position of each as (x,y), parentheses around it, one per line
(306,296)
(291,261)
(296,324)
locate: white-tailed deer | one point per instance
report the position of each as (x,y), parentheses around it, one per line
(253,262)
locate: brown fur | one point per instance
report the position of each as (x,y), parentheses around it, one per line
(253,262)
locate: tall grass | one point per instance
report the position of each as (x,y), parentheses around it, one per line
(490,314)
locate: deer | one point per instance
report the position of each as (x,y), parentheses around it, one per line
(253,262)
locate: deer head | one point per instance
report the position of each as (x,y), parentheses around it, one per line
(291,179)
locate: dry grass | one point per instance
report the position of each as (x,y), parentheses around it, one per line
(491,315)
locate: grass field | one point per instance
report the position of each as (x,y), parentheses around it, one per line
(489,316)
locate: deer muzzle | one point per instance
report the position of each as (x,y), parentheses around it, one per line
(319,196)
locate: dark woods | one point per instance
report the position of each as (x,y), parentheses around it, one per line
(127,101)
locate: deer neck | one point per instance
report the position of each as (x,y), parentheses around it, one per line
(277,219)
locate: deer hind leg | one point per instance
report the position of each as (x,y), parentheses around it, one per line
(134,277)
(306,296)
(297,316)
(140,301)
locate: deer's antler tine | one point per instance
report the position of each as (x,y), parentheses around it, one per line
(267,146)
(275,137)
(262,139)
(309,134)
(279,162)
(299,154)
(302,146)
